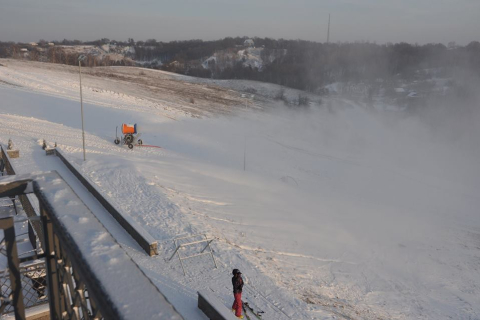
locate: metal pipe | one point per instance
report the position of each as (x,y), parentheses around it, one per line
(245,153)
(195,255)
(208,244)
(173,255)
(81,106)
(195,242)
(192,236)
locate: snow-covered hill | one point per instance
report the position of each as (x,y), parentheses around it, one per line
(340,212)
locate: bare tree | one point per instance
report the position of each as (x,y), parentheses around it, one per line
(34,54)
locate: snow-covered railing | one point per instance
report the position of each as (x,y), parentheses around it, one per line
(89,275)
(138,233)
(33,282)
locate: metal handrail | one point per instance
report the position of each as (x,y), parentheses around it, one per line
(183,245)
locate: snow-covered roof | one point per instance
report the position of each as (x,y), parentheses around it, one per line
(249,42)
(412,94)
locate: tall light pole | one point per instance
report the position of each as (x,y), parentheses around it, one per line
(328,32)
(80,59)
(245,144)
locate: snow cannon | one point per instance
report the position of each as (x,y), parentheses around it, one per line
(130,135)
(129,128)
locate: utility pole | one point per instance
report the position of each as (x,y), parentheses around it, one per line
(80,59)
(328,33)
(245,153)
(245,144)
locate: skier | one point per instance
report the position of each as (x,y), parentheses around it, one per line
(237,283)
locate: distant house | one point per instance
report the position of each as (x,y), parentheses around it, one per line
(412,94)
(51,44)
(249,43)
(24,51)
(33,44)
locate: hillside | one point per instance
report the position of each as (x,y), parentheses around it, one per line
(303,65)
(334,210)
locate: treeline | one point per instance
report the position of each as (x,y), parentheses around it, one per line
(55,52)
(297,64)
(309,65)
(182,51)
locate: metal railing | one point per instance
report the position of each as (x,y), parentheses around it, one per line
(8,248)
(71,298)
(33,283)
(180,244)
(34,227)
(79,274)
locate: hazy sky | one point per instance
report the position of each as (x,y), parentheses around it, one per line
(382,21)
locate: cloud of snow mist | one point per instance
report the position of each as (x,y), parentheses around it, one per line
(390,165)
(373,190)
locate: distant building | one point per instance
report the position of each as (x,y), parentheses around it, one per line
(24,50)
(33,44)
(51,44)
(249,43)
(412,94)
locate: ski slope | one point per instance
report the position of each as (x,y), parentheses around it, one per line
(344,214)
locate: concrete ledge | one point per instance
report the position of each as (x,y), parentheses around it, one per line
(138,233)
(213,308)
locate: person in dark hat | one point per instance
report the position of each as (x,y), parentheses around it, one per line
(237,283)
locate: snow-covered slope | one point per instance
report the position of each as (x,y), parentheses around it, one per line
(339,213)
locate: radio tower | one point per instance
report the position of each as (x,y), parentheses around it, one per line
(328,33)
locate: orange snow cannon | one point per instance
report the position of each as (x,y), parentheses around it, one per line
(129,128)
(130,136)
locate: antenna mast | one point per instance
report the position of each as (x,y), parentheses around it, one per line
(328,34)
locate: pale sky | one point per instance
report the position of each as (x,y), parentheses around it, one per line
(381,21)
